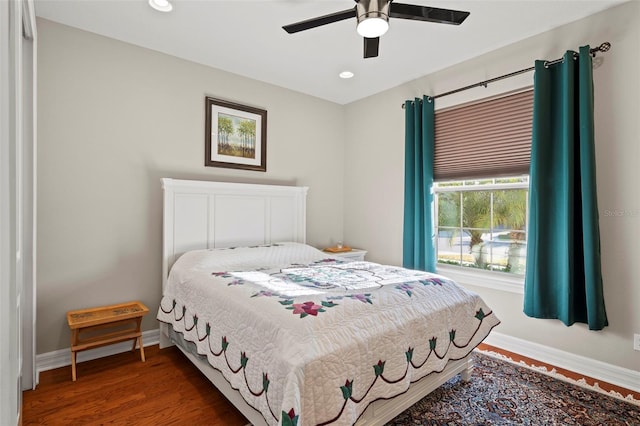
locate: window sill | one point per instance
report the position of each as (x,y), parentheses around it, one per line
(488,279)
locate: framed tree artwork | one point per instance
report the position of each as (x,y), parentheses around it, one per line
(235,135)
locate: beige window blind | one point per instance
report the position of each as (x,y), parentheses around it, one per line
(485,139)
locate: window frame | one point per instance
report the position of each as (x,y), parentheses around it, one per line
(505,281)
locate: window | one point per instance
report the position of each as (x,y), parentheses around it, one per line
(481,214)
(482,223)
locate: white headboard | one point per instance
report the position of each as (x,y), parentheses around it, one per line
(201,214)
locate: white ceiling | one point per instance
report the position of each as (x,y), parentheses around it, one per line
(246,37)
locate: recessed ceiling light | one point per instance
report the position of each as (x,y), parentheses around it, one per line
(161,5)
(346,74)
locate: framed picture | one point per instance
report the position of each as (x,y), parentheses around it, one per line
(235,136)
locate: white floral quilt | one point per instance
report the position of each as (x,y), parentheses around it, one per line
(312,340)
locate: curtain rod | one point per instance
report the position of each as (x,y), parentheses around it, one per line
(604,47)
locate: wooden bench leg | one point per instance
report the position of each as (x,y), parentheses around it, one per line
(74,342)
(141,349)
(138,328)
(73,366)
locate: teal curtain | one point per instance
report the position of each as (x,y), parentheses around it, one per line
(563,279)
(419,250)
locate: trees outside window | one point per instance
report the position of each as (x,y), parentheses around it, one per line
(482,223)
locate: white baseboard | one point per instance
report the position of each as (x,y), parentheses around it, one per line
(624,377)
(62,357)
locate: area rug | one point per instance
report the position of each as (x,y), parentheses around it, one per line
(503,393)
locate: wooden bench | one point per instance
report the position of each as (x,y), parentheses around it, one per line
(105,325)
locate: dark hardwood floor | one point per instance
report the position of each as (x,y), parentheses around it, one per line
(122,390)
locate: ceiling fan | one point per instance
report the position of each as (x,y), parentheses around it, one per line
(373,19)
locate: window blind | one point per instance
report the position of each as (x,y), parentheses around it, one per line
(485,139)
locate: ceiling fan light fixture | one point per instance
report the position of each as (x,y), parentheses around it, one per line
(372,17)
(372,27)
(161,5)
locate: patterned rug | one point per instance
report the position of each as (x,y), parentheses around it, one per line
(502,393)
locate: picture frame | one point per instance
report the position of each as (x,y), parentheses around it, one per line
(235,135)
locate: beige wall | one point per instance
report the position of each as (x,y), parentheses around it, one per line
(374,182)
(112,120)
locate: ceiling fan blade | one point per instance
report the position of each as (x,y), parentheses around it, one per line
(429,14)
(319,21)
(371,47)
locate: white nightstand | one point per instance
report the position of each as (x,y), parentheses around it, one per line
(354,254)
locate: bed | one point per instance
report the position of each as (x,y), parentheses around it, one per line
(291,335)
